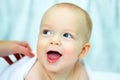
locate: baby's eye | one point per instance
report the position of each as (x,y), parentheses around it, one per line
(46,32)
(67,35)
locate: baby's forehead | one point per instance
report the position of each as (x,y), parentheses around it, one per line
(66,8)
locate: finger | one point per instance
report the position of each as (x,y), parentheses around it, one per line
(23,43)
(24,48)
(9,61)
(26,52)
(17,56)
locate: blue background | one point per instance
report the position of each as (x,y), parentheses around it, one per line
(20,20)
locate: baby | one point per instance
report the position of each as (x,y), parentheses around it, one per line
(63,40)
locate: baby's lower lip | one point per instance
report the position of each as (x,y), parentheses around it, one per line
(53,58)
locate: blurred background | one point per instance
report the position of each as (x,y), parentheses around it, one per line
(20,20)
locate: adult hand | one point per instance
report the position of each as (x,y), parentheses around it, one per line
(18,48)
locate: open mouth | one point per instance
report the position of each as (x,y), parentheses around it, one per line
(53,56)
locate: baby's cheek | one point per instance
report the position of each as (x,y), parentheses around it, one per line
(40,46)
(70,52)
(41,43)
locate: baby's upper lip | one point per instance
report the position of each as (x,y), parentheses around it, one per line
(54,51)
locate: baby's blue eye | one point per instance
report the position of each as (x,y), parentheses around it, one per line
(67,35)
(46,32)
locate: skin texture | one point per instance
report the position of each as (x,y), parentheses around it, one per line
(63,29)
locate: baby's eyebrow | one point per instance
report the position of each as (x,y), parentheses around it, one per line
(70,31)
(46,25)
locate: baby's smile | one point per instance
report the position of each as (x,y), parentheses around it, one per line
(53,56)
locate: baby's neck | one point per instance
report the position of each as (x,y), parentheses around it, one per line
(41,74)
(64,75)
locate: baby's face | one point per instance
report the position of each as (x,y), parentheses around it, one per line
(59,42)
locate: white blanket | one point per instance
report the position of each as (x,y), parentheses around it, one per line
(19,70)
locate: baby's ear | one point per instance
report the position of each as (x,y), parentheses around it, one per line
(84,51)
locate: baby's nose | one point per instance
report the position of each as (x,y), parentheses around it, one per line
(55,41)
